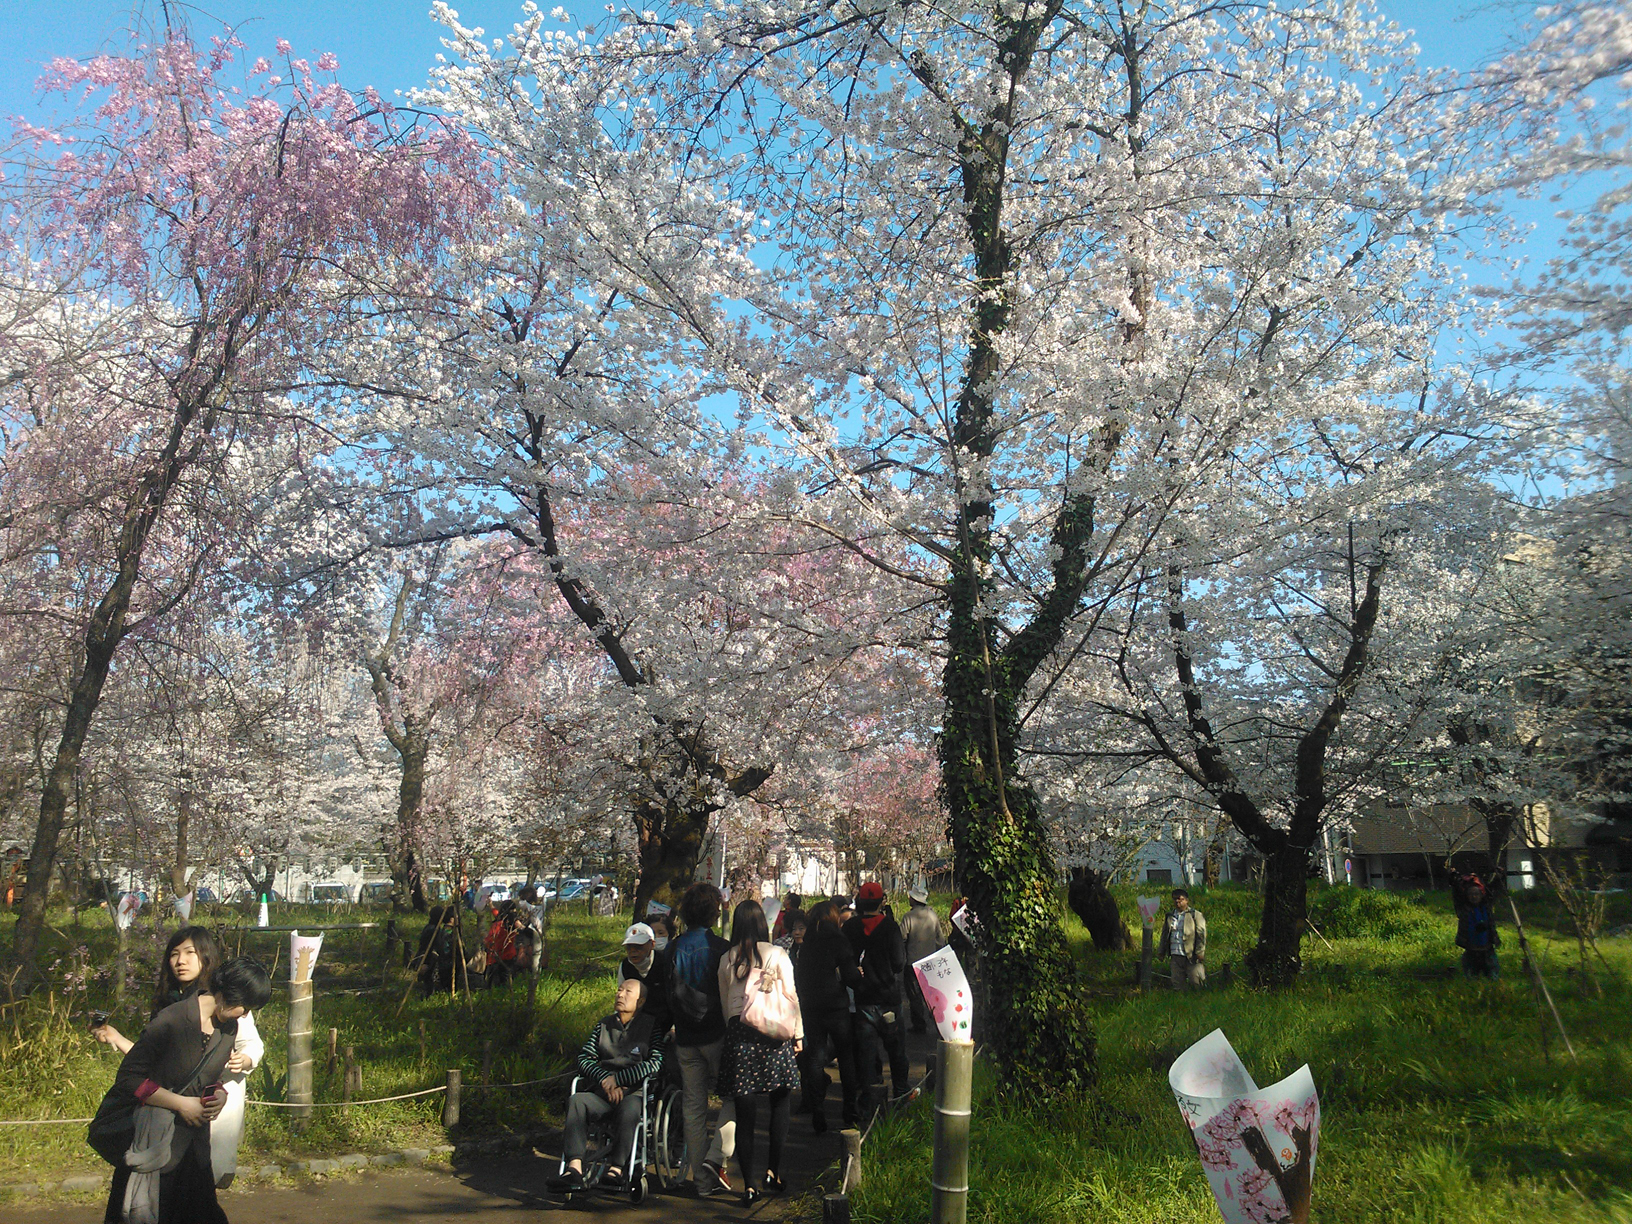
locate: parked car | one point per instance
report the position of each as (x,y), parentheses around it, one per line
(375,892)
(330,892)
(204,894)
(248,896)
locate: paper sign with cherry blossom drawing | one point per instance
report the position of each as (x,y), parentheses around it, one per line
(184,907)
(1148,907)
(1257,1145)
(125,912)
(964,919)
(303,950)
(946,991)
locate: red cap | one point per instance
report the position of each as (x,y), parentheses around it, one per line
(870,891)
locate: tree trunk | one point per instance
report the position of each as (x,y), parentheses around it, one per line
(1212,862)
(101,637)
(1278,958)
(1501,822)
(178,866)
(405,871)
(670,838)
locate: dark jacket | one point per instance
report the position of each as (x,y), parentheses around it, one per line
(1476,928)
(627,1052)
(694,958)
(171,1054)
(657,991)
(882,955)
(826,965)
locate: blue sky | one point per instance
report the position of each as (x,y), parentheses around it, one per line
(392,44)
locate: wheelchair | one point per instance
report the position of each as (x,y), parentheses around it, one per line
(658,1155)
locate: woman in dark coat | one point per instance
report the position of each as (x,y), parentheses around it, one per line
(180,1054)
(825,969)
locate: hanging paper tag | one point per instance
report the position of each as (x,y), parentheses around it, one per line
(1148,908)
(303,950)
(1257,1146)
(125,912)
(184,907)
(946,991)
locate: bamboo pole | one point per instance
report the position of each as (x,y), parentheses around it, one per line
(300,1048)
(1536,978)
(954,1092)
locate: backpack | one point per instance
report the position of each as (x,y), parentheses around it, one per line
(685,999)
(768,1005)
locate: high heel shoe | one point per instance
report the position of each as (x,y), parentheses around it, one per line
(750,1196)
(773,1184)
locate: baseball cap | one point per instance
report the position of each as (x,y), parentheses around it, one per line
(870,893)
(640,933)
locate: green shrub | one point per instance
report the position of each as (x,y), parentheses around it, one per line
(1371,913)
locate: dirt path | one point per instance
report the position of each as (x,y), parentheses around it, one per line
(493,1191)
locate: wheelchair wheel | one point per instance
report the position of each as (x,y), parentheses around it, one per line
(637,1189)
(669,1140)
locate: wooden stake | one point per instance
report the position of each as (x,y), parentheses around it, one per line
(450,1100)
(1536,978)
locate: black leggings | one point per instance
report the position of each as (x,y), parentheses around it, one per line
(747,1117)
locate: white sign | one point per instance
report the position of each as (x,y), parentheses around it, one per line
(964,919)
(184,907)
(125,912)
(946,991)
(1257,1146)
(303,950)
(656,909)
(1148,907)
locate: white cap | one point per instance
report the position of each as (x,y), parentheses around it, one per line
(919,894)
(640,933)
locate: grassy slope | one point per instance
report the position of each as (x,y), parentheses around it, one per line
(1437,1102)
(51,1068)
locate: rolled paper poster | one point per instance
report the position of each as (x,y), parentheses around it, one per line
(1257,1145)
(125,912)
(964,919)
(1148,907)
(483,894)
(772,907)
(946,991)
(303,950)
(184,907)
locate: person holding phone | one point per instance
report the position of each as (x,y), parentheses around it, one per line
(177,1064)
(189,958)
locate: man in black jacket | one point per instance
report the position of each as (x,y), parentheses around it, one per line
(882,954)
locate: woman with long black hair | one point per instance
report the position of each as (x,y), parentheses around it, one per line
(757,1062)
(162,1169)
(189,959)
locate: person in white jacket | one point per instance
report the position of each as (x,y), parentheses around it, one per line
(227,1131)
(756,1061)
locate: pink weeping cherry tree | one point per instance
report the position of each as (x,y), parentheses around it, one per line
(182,262)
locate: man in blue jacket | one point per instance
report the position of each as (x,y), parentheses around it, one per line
(693,989)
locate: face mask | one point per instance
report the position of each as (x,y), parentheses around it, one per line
(662,942)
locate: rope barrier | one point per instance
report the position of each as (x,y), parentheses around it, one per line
(42,1121)
(342,1104)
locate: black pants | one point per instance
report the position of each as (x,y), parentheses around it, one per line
(747,1118)
(838,1027)
(915,1001)
(186,1193)
(876,1041)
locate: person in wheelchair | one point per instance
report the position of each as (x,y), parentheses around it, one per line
(624,1049)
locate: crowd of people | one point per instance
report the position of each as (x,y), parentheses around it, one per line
(755,1017)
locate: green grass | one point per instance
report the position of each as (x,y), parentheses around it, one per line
(1437,1101)
(52,1068)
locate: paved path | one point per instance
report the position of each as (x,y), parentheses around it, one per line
(493,1191)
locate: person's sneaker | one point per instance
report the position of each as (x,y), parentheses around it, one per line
(718,1182)
(569,1181)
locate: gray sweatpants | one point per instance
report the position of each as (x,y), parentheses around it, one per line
(699,1065)
(587,1107)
